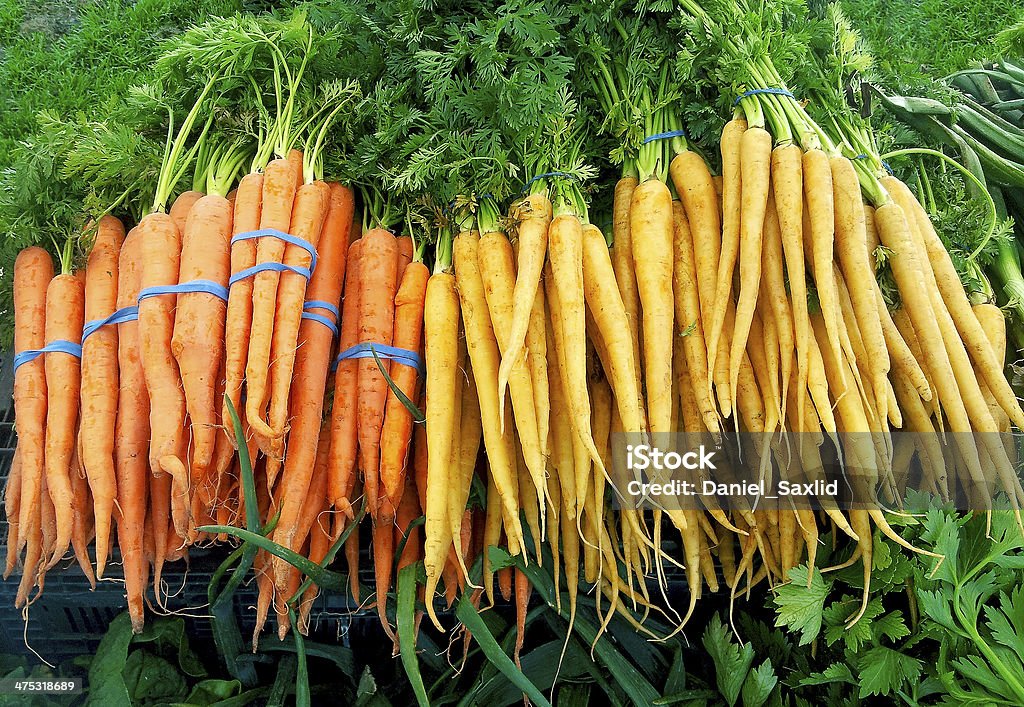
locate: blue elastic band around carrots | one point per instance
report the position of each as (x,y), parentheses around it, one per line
(125,314)
(319,318)
(275,267)
(664,136)
(208,287)
(763,91)
(59,346)
(384,352)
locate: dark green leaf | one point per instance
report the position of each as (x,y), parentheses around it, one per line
(106,679)
(168,635)
(149,678)
(475,625)
(405,615)
(732,661)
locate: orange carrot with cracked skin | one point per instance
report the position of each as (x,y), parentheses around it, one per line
(182,207)
(33,270)
(198,337)
(378,284)
(131,459)
(248,208)
(161,257)
(279,190)
(65,305)
(341,465)
(307,445)
(311,205)
(396,432)
(100,380)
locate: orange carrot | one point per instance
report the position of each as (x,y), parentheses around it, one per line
(12,508)
(311,204)
(419,462)
(198,336)
(307,443)
(64,317)
(408,511)
(131,434)
(342,461)
(319,544)
(247,210)
(352,561)
(161,255)
(396,432)
(405,255)
(33,270)
(100,380)
(314,340)
(182,207)
(159,512)
(279,190)
(32,532)
(83,529)
(286,578)
(378,266)
(523,591)
(383,556)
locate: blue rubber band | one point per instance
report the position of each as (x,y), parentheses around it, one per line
(861,156)
(664,136)
(125,314)
(320,319)
(887,167)
(761,91)
(402,356)
(208,287)
(280,235)
(269,267)
(545,175)
(321,304)
(59,346)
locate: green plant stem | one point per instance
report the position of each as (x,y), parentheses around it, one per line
(173,163)
(990,203)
